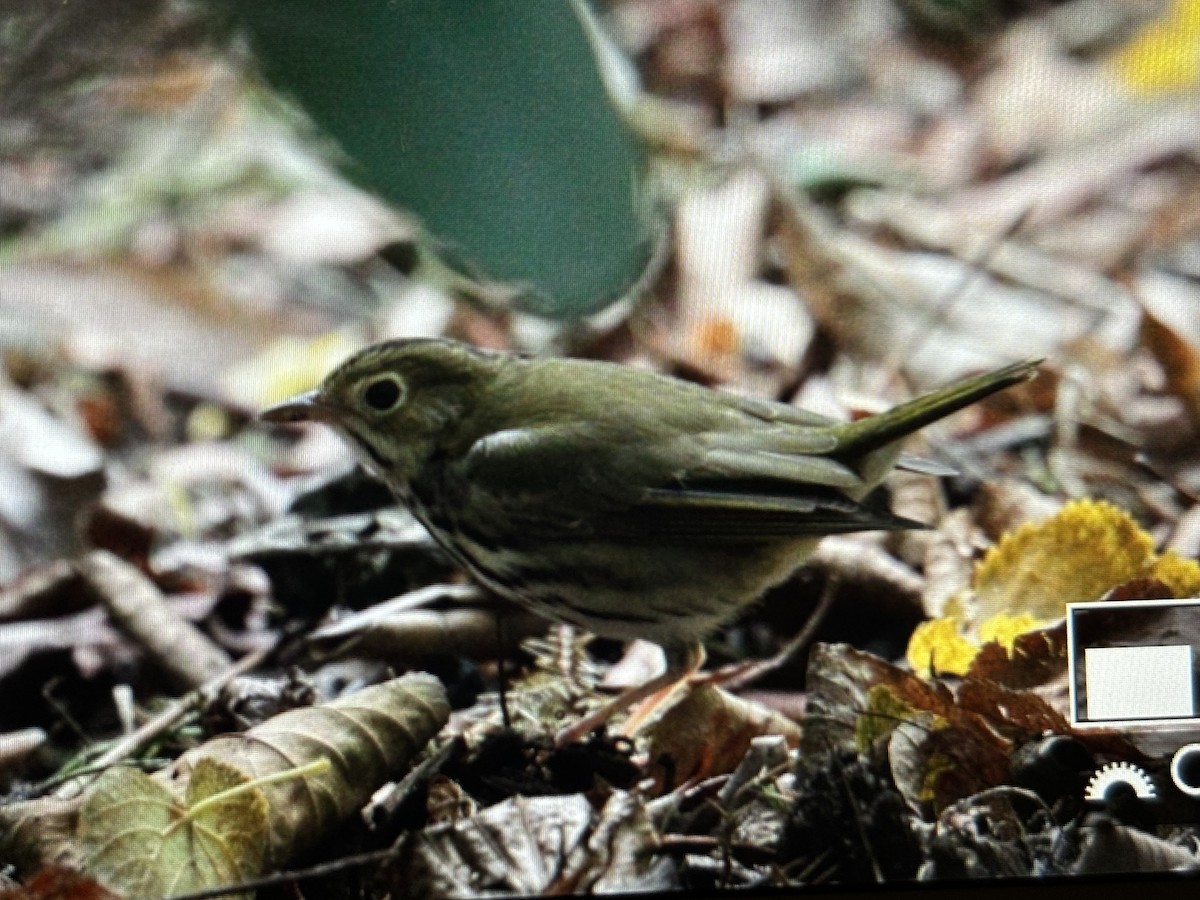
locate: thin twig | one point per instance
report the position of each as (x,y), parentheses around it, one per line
(130,743)
(321,869)
(501,673)
(741,675)
(936,314)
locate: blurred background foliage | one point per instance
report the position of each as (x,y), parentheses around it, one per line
(486,118)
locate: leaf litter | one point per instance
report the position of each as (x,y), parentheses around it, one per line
(897,224)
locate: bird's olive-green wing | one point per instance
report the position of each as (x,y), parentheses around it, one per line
(584,479)
(740,513)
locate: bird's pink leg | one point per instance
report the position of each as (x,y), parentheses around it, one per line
(681,664)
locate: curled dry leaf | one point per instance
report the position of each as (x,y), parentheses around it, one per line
(949,553)
(1180,361)
(918,497)
(942,744)
(52,589)
(37,440)
(39,833)
(534,846)
(1109,847)
(16,746)
(431,622)
(83,631)
(136,837)
(1007,503)
(868,571)
(368,737)
(708,732)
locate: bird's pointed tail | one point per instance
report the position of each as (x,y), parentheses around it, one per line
(876,431)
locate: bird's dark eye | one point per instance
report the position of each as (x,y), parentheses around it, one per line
(383,394)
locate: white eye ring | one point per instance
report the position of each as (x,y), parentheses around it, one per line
(382,394)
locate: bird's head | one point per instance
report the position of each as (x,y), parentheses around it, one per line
(395,402)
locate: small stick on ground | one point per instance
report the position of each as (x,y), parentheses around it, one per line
(138,609)
(129,744)
(731,678)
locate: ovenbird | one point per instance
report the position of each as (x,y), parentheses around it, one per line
(629,503)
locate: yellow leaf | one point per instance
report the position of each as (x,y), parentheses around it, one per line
(1164,56)
(1075,556)
(1004,629)
(1181,575)
(885,710)
(289,366)
(939,646)
(937,766)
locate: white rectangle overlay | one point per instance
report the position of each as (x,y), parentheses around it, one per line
(1139,682)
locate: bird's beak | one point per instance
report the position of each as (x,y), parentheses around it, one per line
(307,407)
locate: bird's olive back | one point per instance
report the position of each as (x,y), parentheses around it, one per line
(634,401)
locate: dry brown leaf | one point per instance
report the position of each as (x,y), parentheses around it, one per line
(430,622)
(1180,361)
(1109,847)
(368,737)
(934,764)
(49,590)
(1017,715)
(1036,657)
(97,332)
(534,846)
(840,682)
(54,883)
(707,733)
(1006,503)
(39,833)
(1144,587)
(943,744)
(16,746)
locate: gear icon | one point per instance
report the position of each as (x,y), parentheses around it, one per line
(1120,773)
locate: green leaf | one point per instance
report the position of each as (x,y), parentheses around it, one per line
(136,837)
(487,118)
